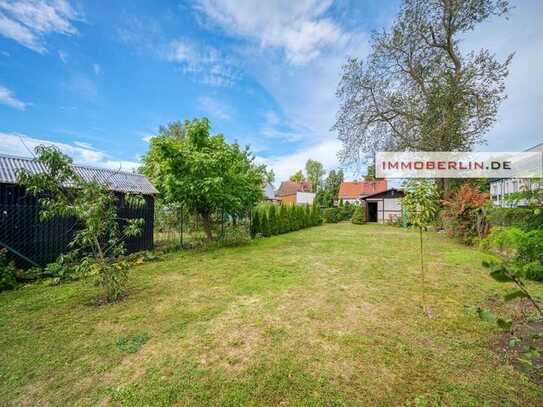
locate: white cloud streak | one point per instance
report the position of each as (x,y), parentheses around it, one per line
(82,153)
(206,62)
(214,108)
(299,28)
(8,98)
(28,21)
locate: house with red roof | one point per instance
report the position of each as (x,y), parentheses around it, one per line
(291,192)
(354,191)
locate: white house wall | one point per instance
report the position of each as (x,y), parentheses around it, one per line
(305,198)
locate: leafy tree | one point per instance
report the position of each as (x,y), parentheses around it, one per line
(203,172)
(315,173)
(327,196)
(421,205)
(99,238)
(418,90)
(298,177)
(269,175)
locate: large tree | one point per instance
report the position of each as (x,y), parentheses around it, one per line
(418,90)
(298,177)
(329,193)
(203,172)
(315,173)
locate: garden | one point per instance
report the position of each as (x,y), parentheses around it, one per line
(329,315)
(247,302)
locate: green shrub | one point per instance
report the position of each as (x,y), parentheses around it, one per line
(316,218)
(331,215)
(521,250)
(347,211)
(265,228)
(275,228)
(235,236)
(359,215)
(524,218)
(283,219)
(68,267)
(255,223)
(8,279)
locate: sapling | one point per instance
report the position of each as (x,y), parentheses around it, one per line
(421,205)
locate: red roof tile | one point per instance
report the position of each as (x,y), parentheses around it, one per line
(290,188)
(351,190)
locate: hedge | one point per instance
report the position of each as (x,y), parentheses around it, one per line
(523,218)
(269,220)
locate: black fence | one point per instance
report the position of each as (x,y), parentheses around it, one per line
(31,241)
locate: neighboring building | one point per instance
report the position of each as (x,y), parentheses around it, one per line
(269,193)
(27,238)
(295,192)
(353,191)
(501,188)
(384,206)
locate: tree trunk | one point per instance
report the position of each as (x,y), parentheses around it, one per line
(206,223)
(422,271)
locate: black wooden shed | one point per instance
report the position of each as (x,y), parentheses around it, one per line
(31,241)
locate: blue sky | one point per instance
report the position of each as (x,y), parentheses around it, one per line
(99,77)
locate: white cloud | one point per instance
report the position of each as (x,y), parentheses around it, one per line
(81,153)
(300,28)
(28,21)
(214,108)
(208,64)
(8,98)
(286,165)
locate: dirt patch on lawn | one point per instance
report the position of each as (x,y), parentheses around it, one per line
(522,347)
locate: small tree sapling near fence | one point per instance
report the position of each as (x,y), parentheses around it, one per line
(99,238)
(421,205)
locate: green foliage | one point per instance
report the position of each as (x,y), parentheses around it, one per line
(99,239)
(234,236)
(315,172)
(521,250)
(421,206)
(359,215)
(297,177)
(132,343)
(67,267)
(331,215)
(203,172)
(8,278)
(328,194)
(275,227)
(255,223)
(265,228)
(421,203)
(524,218)
(347,211)
(275,220)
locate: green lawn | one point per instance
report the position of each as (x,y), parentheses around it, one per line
(324,316)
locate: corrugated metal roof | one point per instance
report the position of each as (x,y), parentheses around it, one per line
(115,180)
